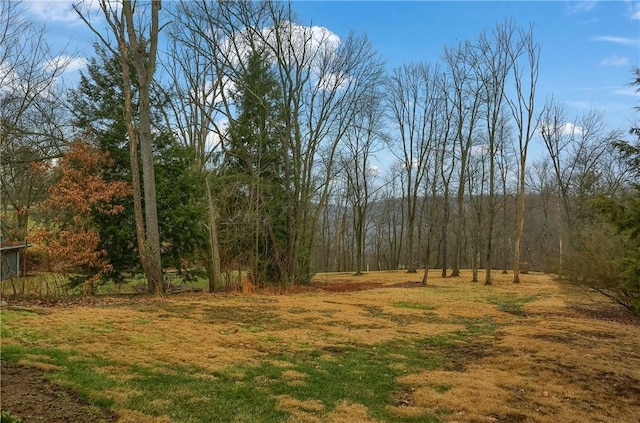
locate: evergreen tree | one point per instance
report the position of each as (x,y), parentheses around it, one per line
(98,109)
(253,172)
(609,254)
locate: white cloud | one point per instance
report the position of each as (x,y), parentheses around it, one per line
(577,7)
(213,92)
(8,77)
(63,11)
(215,137)
(68,63)
(571,129)
(634,11)
(320,37)
(373,170)
(309,44)
(312,41)
(332,81)
(615,60)
(566,129)
(627,91)
(617,40)
(479,150)
(77,64)
(54,11)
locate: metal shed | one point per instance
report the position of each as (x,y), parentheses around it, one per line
(11,259)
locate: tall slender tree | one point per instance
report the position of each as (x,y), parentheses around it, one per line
(413,98)
(464,95)
(138,51)
(522,104)
(254,164)
(362,141)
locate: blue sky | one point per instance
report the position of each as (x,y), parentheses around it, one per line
(588,47)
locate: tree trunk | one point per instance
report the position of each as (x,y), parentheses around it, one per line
(132,50)
(518,236)
(154,261)
(455,272)
(134,162)
(144,63)
(445,234)
(491,217)
(215,278)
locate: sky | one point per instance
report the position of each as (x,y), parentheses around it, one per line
(588,48)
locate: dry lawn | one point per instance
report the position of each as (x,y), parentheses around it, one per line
(533,352)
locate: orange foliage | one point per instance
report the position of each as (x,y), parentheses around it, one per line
(248,287)
(71,251)
(72,243)
(81,188)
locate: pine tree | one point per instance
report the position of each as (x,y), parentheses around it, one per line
(254,168)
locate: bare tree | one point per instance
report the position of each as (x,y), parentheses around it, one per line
(414,98)
(32,121)
(446,169)
(362,141)
(137,50)
(199,100)
(438,179)
(505,166)
(493,65)
(390,219)
(541,182)
(464,95)
(476,180)
(581,161)
(525,78)
(321,80)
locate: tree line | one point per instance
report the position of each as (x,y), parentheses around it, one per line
(248,142)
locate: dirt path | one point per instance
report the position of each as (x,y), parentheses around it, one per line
(26,394)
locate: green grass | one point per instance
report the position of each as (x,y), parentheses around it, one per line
(417,306)
(360,374)
(511,304)
(186,397)
(7,417)
(40,284)
(77,371)
(222,400)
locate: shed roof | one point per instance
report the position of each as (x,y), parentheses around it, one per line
(13,245)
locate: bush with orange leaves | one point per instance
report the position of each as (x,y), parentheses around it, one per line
(70,244)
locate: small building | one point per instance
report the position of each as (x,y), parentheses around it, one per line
(11,253)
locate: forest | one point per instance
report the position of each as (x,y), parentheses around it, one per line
(226,141)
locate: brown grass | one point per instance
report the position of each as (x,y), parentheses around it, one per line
(559,362)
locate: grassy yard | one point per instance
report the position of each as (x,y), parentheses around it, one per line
(454,351)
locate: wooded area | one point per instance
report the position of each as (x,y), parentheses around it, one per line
(255,145)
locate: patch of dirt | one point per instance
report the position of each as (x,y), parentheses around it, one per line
(557,338)
(16,302)
(403,396)
(411,284)
(351,287)
(509,418)
(455,358)
(611,314)
(26,394)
